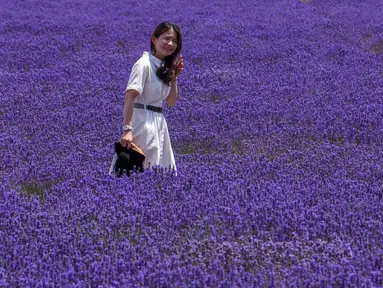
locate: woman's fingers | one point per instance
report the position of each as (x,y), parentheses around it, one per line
(179,65)
(179,60)
(126,139)
(125,143)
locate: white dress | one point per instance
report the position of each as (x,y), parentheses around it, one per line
(150,131)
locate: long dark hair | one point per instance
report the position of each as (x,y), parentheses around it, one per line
(167,71)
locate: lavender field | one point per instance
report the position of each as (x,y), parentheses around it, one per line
(278,140)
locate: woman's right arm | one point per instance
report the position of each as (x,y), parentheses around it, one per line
(134,88)
(130,95)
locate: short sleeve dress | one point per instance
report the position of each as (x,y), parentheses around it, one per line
(150,131)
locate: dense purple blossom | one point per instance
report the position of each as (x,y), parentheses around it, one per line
(277,135)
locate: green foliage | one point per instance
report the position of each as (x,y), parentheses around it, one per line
(34,189)
(237,148)
(377,47)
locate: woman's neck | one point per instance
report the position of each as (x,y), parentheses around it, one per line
(157,56)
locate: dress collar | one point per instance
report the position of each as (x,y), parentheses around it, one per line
(154,59)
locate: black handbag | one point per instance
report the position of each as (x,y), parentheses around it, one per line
(128,159)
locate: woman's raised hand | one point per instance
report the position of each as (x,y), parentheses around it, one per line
(179,66)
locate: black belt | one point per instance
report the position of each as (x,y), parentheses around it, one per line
(148,107)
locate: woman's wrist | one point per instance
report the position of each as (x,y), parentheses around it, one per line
(127,128)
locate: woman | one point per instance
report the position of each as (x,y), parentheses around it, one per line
(153,79)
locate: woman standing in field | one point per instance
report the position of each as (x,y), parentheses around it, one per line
(153,79)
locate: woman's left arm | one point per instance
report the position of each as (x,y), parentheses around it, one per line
(173,94)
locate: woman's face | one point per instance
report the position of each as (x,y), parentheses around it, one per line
(165,44)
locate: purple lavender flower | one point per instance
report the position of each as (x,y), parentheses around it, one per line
(277,137)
